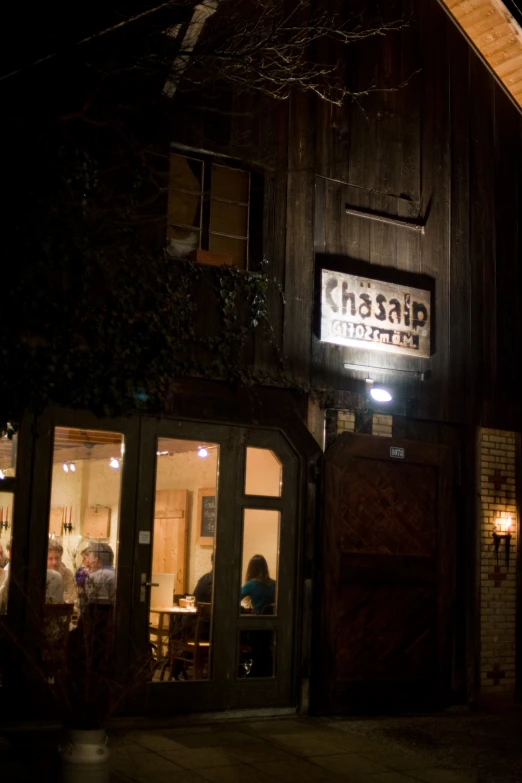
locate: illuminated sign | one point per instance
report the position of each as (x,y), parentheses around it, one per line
(365,313)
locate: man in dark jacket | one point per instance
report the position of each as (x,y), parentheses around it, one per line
(203,589)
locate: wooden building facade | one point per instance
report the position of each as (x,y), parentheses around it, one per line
(392,591)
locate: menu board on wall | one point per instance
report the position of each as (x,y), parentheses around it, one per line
(207,508)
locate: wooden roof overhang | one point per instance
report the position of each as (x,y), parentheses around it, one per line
(493,30)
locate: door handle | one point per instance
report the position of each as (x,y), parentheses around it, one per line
(143,585)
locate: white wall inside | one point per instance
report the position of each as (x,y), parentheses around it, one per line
(186,470)
(263,472)
(95,483)
(261,537)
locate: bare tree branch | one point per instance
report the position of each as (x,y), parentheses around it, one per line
(265,46)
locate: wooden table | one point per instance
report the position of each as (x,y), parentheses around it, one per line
(167,611)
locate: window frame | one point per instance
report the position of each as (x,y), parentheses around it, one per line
(254,204)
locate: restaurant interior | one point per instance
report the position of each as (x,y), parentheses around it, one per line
(85,511)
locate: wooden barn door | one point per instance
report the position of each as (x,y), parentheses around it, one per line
(387,576)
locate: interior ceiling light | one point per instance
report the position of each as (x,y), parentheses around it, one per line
(162,453)
(380,395)
(2,475)
(114,463)
(65,466)
(202,452)
(72,467)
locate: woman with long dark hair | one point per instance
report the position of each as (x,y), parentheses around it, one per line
(258,585)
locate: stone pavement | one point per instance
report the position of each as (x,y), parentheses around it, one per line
(269,750)
(450,747)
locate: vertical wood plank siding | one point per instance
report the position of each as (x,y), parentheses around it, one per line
(445,147)
(299,271)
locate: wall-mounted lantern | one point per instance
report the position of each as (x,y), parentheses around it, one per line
(502,533)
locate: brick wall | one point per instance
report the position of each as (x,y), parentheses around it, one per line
(497,582)
(382,425)
(345,421)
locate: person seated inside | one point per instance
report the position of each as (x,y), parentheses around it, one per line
(258,587)
(80,577)
(90,645)
(203,595)
(4,586)
(3,557)
(53,587)
(184,628)
(100,584)
(203,589)
(54,563)
(8,555)
(82,572)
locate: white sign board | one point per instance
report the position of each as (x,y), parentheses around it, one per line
(365,313)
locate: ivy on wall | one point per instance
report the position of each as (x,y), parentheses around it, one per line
(94,316)
(119,341)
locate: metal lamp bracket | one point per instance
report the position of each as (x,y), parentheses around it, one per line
(497,538)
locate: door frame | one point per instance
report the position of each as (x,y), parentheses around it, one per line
(40,506)
(225,690)
(276,413)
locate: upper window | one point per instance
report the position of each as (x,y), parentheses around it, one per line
(208,211)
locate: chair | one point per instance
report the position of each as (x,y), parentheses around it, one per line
(255,650)
(191,655)
(56,624)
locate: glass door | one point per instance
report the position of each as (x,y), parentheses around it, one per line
(266,584)
(78,579)
(215,597)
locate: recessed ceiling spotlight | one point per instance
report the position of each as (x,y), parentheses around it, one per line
(202,452)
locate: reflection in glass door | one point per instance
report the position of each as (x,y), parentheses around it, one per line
(183,539)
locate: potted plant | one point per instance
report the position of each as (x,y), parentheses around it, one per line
(89,686)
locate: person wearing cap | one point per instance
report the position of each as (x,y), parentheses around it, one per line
(100,585)
(54,563)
